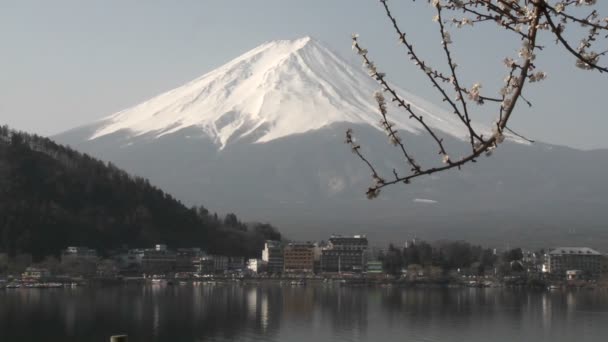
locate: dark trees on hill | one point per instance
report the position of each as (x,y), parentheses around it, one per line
(52,196)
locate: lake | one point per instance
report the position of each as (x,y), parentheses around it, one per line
(271,312)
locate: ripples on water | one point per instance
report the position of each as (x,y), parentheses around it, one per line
(227,312)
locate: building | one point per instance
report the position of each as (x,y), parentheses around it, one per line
(187,259)
(131,262)
(374,267)
(79,261)
(34,274)
(158,260)
(563,259)
(206,265)
(236,264)
(604,266)
(79,252)
(574,275)
(213,264)
(299,258)
(255,266)
(356,242)
(345,254)
(342,260)
(272,256)
(221,263)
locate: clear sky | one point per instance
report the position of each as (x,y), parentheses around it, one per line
(65,63)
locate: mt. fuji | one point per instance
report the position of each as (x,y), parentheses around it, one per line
(278,89)
(263,136)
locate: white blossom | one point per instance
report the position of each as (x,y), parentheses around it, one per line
(447,39)
(537,77)
(589,57)
(474,92)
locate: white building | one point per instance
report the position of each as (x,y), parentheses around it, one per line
(254,265)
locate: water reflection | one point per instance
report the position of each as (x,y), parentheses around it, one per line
(270,312)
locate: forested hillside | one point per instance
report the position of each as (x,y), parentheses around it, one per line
(52,196)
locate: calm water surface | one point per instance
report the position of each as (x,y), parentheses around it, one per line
(270,312)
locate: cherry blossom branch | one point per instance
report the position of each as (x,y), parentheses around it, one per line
(526,18)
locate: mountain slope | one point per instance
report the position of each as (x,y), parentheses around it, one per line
(263,135)
(52,197)
(275,90)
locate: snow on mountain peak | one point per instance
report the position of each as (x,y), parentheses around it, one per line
(279,88)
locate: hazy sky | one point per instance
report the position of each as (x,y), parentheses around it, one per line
(65,63)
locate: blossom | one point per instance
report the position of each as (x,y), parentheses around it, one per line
(537,77)
(586,2)
(447,39)
(526,53)
(589,58)
(509,62)
(474,92)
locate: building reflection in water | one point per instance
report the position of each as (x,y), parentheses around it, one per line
(271,312)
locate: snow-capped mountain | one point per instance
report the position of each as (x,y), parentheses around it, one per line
(263,136)
(278,89)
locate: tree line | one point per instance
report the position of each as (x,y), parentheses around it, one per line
(52,196)
(453,255)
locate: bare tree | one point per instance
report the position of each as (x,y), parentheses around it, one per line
(525,21)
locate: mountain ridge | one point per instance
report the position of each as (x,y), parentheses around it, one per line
(279,88)
(306,180)
(52,197)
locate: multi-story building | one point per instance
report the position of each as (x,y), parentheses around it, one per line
(563,259)
(159,260)
(342,260)
(254,266)
(272,256)
(345,254)
(356,242)
(206,265)
(131,261)
(604,266)
(299,258)
(83,253)
(374,267)
(236,263)
(220,263)
(187,259)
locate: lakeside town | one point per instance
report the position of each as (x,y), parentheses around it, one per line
(347,260)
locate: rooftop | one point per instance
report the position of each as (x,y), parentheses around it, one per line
(574,250)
